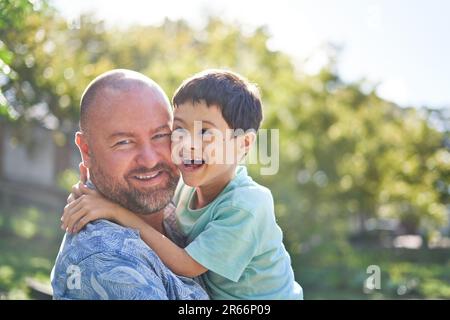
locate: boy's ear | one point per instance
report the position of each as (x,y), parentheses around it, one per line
(81,142)
(247,141)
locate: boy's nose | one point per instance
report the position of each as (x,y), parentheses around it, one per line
(191,150)
(191,143)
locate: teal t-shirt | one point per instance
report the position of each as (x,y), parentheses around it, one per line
(238,240)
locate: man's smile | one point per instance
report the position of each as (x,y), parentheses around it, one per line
(150,178)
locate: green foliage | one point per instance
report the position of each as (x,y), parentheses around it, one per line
(67,179)
(30,239)
(405,274)
(12,14)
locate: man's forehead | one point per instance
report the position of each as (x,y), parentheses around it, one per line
(120,99)
(131,128)
(111,100)
(131,89)
(131,111)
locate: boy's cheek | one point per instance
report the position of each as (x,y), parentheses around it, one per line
(176,153)
(210,154)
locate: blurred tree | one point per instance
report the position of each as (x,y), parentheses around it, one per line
(50,65)
(12,17)
(348,155)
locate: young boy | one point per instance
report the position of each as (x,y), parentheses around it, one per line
(228,220)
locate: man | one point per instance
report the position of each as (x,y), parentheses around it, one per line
(124,141)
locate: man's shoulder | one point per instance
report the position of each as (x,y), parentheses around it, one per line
(101,236)
(100,251)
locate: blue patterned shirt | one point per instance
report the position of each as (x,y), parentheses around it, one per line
(108,261)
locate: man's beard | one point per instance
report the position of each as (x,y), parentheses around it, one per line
(145,201)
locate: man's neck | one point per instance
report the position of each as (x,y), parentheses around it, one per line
(155,220)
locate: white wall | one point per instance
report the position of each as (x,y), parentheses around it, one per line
(35,167)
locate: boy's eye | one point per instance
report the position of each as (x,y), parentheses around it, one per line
(208,134)
(179,129)
(206,131)
(179,132)
(162,135)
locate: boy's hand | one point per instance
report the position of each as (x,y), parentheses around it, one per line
(76,192)
(89,206)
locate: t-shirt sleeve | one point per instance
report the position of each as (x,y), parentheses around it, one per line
(228,243)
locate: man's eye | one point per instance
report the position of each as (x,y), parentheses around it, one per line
(123,142)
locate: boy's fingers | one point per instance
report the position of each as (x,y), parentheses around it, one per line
(65,219)
(85,190)
(82,223)
(74,218)
(73,204)
(83,172)
(71,198)
(76,190)
(71,208)
(67,210)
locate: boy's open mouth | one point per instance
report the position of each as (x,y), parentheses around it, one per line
(191,164)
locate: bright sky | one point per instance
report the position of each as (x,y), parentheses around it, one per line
(402,44)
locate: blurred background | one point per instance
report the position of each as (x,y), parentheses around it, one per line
(358,89)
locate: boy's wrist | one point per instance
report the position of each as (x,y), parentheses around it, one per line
(118,214)
(125,217)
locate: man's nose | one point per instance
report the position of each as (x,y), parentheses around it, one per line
(147,156)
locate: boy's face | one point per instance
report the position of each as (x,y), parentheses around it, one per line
(203,145)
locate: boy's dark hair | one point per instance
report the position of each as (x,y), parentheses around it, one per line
(238,100)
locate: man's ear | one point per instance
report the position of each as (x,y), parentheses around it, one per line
(81,142)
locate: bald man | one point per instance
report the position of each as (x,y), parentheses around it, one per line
(124,141)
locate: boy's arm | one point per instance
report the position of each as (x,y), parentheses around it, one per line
(92,206)
(174,257)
